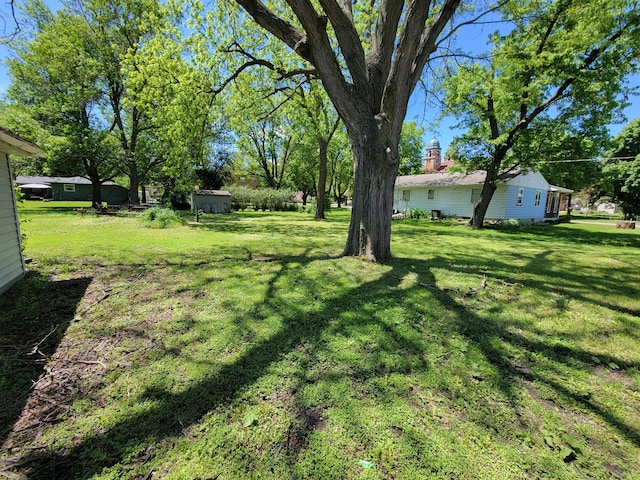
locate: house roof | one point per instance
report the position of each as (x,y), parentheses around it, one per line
(15,145)
(442,179)
(555,188)
(21,180)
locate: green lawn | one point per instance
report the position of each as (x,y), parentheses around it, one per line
(243,347)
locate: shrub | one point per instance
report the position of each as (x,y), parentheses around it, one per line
(260,198)
(514,222)
(160,218)
(417,213)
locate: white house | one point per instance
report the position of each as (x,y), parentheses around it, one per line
(11,260)
(523,196)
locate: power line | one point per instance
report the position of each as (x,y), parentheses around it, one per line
(597,159)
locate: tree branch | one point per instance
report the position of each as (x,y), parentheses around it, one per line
(283,30)
(350,44)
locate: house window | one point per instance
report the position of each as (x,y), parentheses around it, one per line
(69,187)
(475,195)
(520,196)
(538,197)
(431,194)
(406,195)
(243,179)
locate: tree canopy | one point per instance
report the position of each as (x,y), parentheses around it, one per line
(549,87)
(621,169)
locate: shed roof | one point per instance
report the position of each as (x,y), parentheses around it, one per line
(219,193)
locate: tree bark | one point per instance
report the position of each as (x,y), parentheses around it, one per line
(375,168)
(96,192)
(372,99)
(488,189)
(322,178)
(134,185)
(481,207)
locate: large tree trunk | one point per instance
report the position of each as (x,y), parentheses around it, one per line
(481,207)
(96,192)
(322,178)
(134,187)
(375,164)
(488,189)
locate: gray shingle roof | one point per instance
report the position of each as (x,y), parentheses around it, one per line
(21,180)
(442,179)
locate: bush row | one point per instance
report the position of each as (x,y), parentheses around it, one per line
(261,198)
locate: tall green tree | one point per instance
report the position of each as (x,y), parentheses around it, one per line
(559,70)
(621,169)
(56,76)
(321,122)
(369,56)
(411,149)
(340,166)
(118,29)
(268,141)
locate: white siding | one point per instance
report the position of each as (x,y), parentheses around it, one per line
(451,201)
(11,263)
(456,200)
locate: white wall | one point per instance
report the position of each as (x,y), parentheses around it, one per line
(11,262)
(451,201)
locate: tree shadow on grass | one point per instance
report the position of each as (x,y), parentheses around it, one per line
(34,316)
(574,234)
(169,413)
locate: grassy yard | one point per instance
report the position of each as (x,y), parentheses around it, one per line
(243,347)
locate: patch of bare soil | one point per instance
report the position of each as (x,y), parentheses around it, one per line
(50,361)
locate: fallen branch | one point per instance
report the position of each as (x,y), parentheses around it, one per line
(483,285)
(105,294)
(36,348)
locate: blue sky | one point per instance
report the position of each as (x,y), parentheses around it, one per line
(422,113)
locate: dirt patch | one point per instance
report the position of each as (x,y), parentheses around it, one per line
(56,355)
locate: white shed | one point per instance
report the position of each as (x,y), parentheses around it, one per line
(11,260)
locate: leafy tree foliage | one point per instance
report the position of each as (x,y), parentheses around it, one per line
(268,144)
(555,76)
(66,101)
(340,166)
(217,173)
(411,149)
(114,77)
(622,169)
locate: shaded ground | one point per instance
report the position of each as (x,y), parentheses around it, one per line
(297,366)
(35,388)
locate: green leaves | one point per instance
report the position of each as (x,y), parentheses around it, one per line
(557,70)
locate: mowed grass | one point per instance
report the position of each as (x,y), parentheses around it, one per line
(244,347)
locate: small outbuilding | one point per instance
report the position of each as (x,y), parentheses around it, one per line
(11,261)
(211,201)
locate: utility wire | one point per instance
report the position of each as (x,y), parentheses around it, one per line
(597,159)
